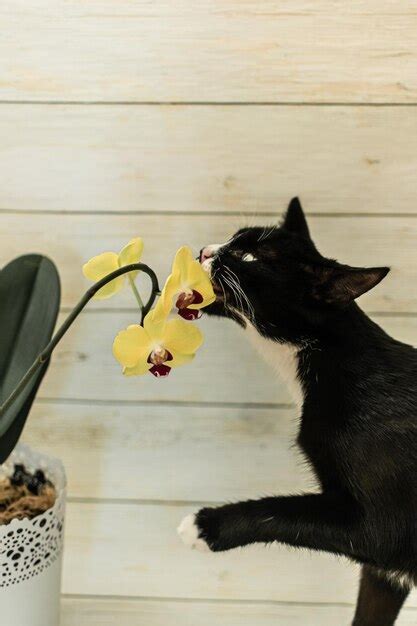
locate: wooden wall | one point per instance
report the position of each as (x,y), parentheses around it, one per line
(179,122)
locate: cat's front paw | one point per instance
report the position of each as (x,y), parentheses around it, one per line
(190,534)
(213,529)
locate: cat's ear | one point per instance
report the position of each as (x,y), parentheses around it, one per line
(342,284)
(295,220)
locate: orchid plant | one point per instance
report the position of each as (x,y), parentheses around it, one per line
(158,344)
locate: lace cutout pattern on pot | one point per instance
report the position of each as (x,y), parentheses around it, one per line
(27,549)
(29,546)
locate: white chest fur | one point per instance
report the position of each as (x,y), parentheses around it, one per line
(282,357)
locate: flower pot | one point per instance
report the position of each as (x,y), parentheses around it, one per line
(31,552)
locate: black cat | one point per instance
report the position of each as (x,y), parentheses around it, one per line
(357,390)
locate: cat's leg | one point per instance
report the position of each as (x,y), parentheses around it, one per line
(379,600)
(318,521)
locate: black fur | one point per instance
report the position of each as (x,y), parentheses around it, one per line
(358,425)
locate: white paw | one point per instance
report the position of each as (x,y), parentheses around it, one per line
(188,532)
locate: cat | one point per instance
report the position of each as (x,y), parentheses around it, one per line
(357,392)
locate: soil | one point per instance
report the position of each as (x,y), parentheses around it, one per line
(25,495)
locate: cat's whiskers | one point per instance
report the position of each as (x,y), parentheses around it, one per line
(219,282)
(240,295)
(234,238)
(237,296)
(268,230)
(241,298)
(216,271)
(242,292)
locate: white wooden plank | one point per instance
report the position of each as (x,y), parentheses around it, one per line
(70,240)
(240,159)
(170,452)
(102,612)
(137,51)
(126,549)
(226,368)
(130,550)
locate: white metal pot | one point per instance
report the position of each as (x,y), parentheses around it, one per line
(31,552)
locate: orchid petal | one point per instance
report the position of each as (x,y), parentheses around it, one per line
(138,370)
(200,281)
(131,347)
(181,359)
(173,283)
(164,305)
(100,266)
(132,252)
(154,324)
(181,338)
(181,264)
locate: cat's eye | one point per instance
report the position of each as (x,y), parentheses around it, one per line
(243,256)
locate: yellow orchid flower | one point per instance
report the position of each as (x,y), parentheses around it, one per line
(157,346)
(188,285)
(100,266)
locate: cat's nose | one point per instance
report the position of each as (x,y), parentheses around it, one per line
(205,253)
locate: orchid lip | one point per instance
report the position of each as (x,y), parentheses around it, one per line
(159,357)
(190,314)
(185,299)
(160,371)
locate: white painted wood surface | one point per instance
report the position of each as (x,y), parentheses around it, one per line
(170,452)
(140,554)
(91,154)
(98,612)
(238,159)
(308,51)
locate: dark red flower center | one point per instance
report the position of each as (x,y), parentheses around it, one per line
(190,314)
(183,302)
(185,299)
(159,358)
(160,371)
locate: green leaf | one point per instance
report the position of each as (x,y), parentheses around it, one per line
(29,305)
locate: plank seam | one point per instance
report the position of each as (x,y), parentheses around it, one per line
(197,103)
(142,501)
(239,214)
(162,403)
(231,601)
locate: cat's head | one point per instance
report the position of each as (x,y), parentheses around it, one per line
(276,278)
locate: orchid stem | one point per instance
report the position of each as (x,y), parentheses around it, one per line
(136,292)
(46,353)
